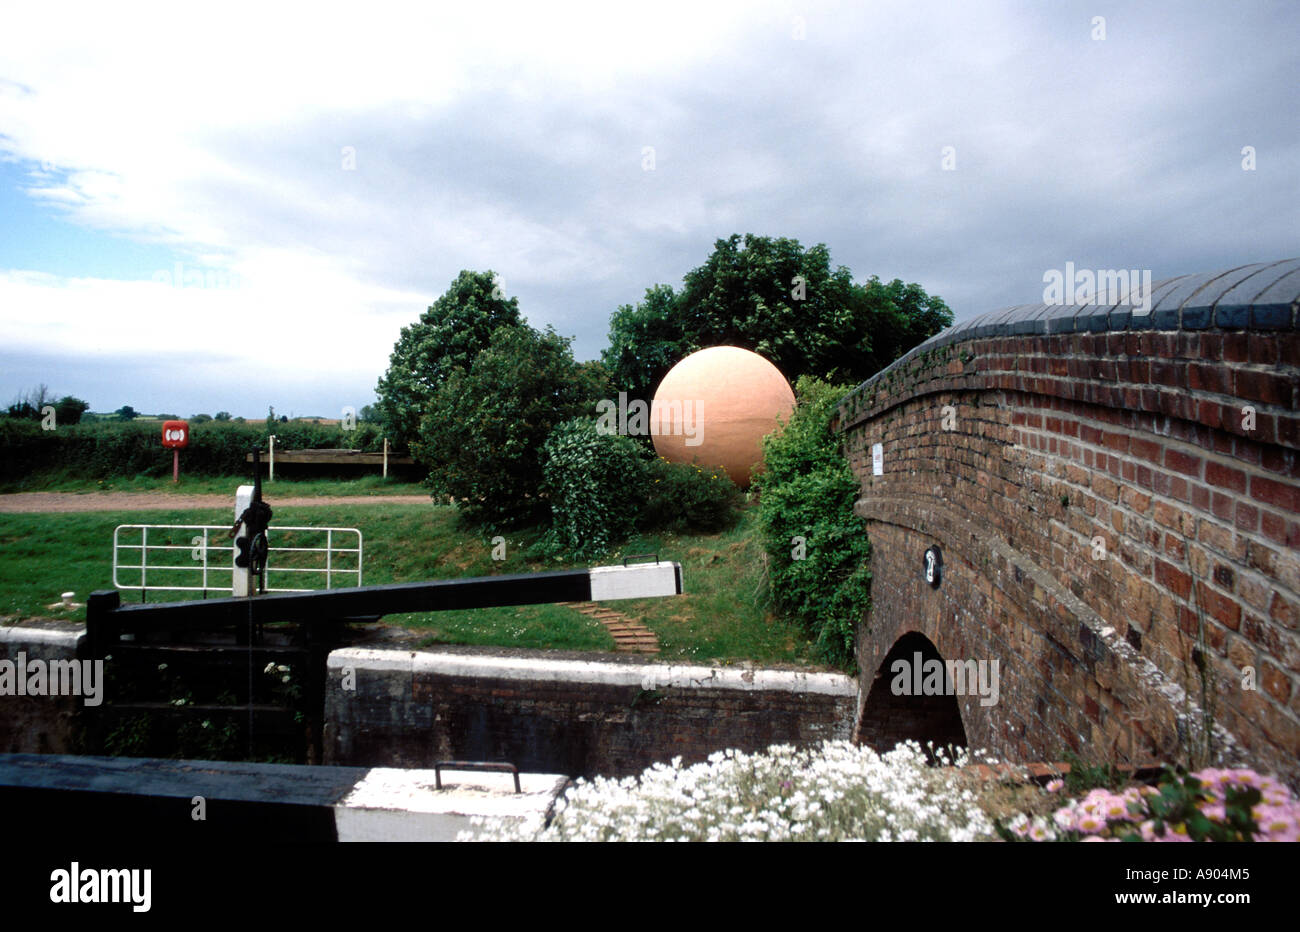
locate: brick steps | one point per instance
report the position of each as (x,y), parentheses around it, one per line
(628,633)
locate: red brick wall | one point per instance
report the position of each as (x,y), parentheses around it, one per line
(1133,438)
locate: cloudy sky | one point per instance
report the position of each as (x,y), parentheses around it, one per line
(241,206)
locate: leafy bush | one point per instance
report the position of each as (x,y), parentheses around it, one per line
(817,547)
(594,483)
(682,498)
(837,792)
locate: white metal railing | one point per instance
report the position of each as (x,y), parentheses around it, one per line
(166,543)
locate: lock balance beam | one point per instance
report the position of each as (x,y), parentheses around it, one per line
(107,618)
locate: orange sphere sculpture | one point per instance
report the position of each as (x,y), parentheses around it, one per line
(714,408)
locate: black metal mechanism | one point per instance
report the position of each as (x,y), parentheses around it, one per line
(107,619)
(252,548)
(482,766)
(139,636)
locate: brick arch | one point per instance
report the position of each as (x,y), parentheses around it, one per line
(1111,520)
(885,719)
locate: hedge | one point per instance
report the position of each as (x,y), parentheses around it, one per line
(116,449)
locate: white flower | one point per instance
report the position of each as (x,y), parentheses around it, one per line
(835,792)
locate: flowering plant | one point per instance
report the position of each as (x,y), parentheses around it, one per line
(1209,805)
(836,792)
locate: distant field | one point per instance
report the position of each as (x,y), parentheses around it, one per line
(717,620)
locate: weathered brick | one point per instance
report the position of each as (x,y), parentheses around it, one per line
(1225,477)
(1267,387)
(1222,608)
(1275,682)
(1150,450)
(1183,462)
(1174,579)
(1278,494)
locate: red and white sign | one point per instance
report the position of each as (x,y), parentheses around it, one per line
(176,434)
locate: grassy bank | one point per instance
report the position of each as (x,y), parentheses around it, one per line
(717,620)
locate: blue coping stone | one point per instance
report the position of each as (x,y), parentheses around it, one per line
(1187,286)
(1232,316)
(1275,302)
(1197,318)
(1139,321)
(1193,302)
(986,324)
(1227,301)
(1232,309)
(1006,320)
(1059,318)
(1094,317)
(1284,268)
(1028,320)
(1040,318)
(1212,293)
(1196,291)
(1271,317)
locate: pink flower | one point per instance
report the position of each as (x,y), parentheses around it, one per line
(1274,820)
(1116,808)
(1091,824)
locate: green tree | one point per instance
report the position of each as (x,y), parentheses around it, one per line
(126,413)
(483,429)
(448,336)
(785,302)
(773,297)
(69,410)
(645,341)
(221,416)
(895,317)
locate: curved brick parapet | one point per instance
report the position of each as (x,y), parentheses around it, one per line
(1116,494)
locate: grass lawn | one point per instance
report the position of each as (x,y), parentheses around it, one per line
(718,619)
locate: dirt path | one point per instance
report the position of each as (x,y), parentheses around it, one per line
(39,502)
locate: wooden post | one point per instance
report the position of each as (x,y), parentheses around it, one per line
(385,457)
(176,465)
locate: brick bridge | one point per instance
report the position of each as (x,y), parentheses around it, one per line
(1116,500)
